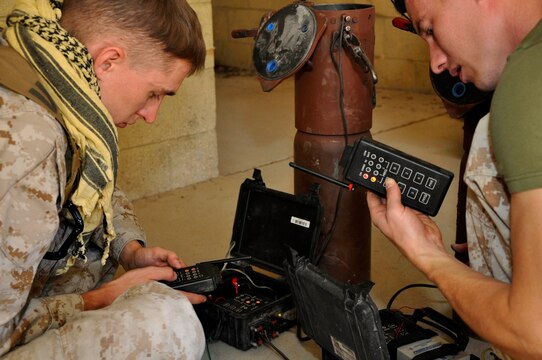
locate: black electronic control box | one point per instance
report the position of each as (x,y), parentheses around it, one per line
(199,278)
(423,185)
(253,303)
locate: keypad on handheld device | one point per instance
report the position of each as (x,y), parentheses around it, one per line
(189,273)
(199,278)
(423,185)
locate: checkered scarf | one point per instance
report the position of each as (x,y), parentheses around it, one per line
(64,67)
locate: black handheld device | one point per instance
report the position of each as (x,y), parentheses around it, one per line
(200,278)
(369,162)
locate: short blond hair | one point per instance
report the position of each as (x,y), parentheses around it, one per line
(144,26)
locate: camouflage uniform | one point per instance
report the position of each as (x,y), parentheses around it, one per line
(488,210)
(41,313)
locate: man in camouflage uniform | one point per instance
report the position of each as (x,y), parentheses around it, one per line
(71,307)
(497,45)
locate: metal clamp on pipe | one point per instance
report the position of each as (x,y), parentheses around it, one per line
(351,42)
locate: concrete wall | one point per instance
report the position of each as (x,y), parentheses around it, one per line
(401,59)
(180,148)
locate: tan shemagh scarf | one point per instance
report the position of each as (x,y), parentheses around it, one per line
(64,67)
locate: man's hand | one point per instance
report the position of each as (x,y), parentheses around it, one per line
(412,232)
(136,256)
(105,295)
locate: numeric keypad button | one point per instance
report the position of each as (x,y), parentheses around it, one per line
(431,183)
(412,193)
(406,173)
(418,178)
(394,168)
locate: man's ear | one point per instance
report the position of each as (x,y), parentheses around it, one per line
(108,59)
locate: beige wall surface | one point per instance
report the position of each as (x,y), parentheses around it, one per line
(180,148)
(401,59)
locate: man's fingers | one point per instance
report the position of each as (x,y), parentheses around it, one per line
(393,193)
(194,298)
(375,203)
(155,273)
(174,261)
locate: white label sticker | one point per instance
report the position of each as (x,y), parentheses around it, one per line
(300,222)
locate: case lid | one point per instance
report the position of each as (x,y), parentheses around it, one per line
(341,318)
(269,222)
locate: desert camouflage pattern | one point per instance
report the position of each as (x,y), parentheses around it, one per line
(150,321)
(488,210)
(41,313)
(488,213)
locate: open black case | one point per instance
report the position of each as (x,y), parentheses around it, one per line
(345,322)
(341,318)
(253,304)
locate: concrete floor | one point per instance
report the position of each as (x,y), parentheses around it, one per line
(256,129)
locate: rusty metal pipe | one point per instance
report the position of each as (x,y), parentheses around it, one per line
(325,120)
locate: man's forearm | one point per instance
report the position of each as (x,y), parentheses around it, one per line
(483,303)
(127,258)
(94,300)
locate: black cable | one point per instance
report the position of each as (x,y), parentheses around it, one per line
(273,347)
(436,320)
(329,235)
(299,336)
(392,299)
(341,82)
(338,67)
(214,334)
(439,327)
(208,350)
(337,37)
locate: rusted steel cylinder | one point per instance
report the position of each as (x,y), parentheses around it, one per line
(317,85)
(346,231)
(320,139)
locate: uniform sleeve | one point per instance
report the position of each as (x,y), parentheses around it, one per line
(516,116)
(126,224)
(32,148)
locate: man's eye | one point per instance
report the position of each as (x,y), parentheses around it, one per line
(429,32)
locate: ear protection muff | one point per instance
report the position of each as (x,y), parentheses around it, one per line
(403,24)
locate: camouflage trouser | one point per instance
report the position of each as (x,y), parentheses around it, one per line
(150,321)
(488,210)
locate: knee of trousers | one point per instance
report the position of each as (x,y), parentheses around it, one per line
(150,321)
(168,317)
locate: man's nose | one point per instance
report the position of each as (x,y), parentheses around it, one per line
(438,59)
(149,113)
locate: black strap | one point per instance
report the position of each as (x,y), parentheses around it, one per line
(76,224)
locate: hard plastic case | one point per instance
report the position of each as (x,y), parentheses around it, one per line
(254,303)
(345,322)
(341,318)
